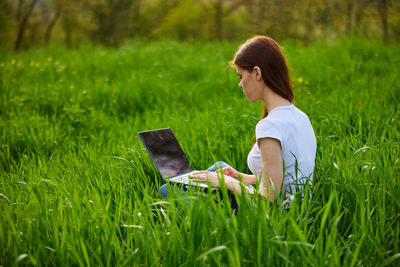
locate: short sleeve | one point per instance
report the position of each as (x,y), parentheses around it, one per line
(268,129)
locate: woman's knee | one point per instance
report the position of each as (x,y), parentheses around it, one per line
(163,191)
(221,164)
(217,165)
(172,190)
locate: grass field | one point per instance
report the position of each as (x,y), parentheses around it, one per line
(78,188)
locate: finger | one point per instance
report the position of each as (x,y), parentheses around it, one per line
(200,172)
(197,176)
(199,181)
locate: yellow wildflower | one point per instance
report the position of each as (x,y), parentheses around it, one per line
(49,59)
(61,68)
(13,61)
(57,62)
(37,65)
(2,64)
(4,146)
(300,80)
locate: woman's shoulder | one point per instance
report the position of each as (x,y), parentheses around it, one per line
(285,113)
(279,115)
(284,118)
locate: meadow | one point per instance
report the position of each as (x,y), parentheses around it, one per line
(77,186)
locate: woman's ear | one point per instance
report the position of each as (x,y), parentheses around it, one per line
(258,73)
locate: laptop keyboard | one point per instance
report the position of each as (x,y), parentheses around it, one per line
(184,179)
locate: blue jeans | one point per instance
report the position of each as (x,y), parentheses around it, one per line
(219,164)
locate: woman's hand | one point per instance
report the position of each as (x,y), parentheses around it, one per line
(229,171)
(244,178)
(211,177)
(231,183)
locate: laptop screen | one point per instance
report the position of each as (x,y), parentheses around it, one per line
(166,152)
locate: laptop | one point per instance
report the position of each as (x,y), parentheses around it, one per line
(168,156)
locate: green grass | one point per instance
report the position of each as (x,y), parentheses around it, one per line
(78,188)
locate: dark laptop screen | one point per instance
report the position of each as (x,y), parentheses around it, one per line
(166,152)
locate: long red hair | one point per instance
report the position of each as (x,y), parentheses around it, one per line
(264,52)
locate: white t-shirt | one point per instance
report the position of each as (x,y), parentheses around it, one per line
(293,129)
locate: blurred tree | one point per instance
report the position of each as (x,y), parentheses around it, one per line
(361,18)
(349,15)
(383,13)
(261,14)
(22,19)
(6,24)
(58,7)
(112,17)
(218,18)
(135,21)
(75,17)
(68,21)
(223,8)
(152,14)
(184,21)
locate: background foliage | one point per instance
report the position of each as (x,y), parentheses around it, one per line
(26,23)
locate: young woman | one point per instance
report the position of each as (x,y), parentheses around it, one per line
(283,153)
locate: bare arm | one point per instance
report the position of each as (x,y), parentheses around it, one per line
(247,178)
(271,160)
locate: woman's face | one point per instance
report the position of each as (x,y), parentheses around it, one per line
(250,83)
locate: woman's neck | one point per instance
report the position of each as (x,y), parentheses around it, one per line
(273,100)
